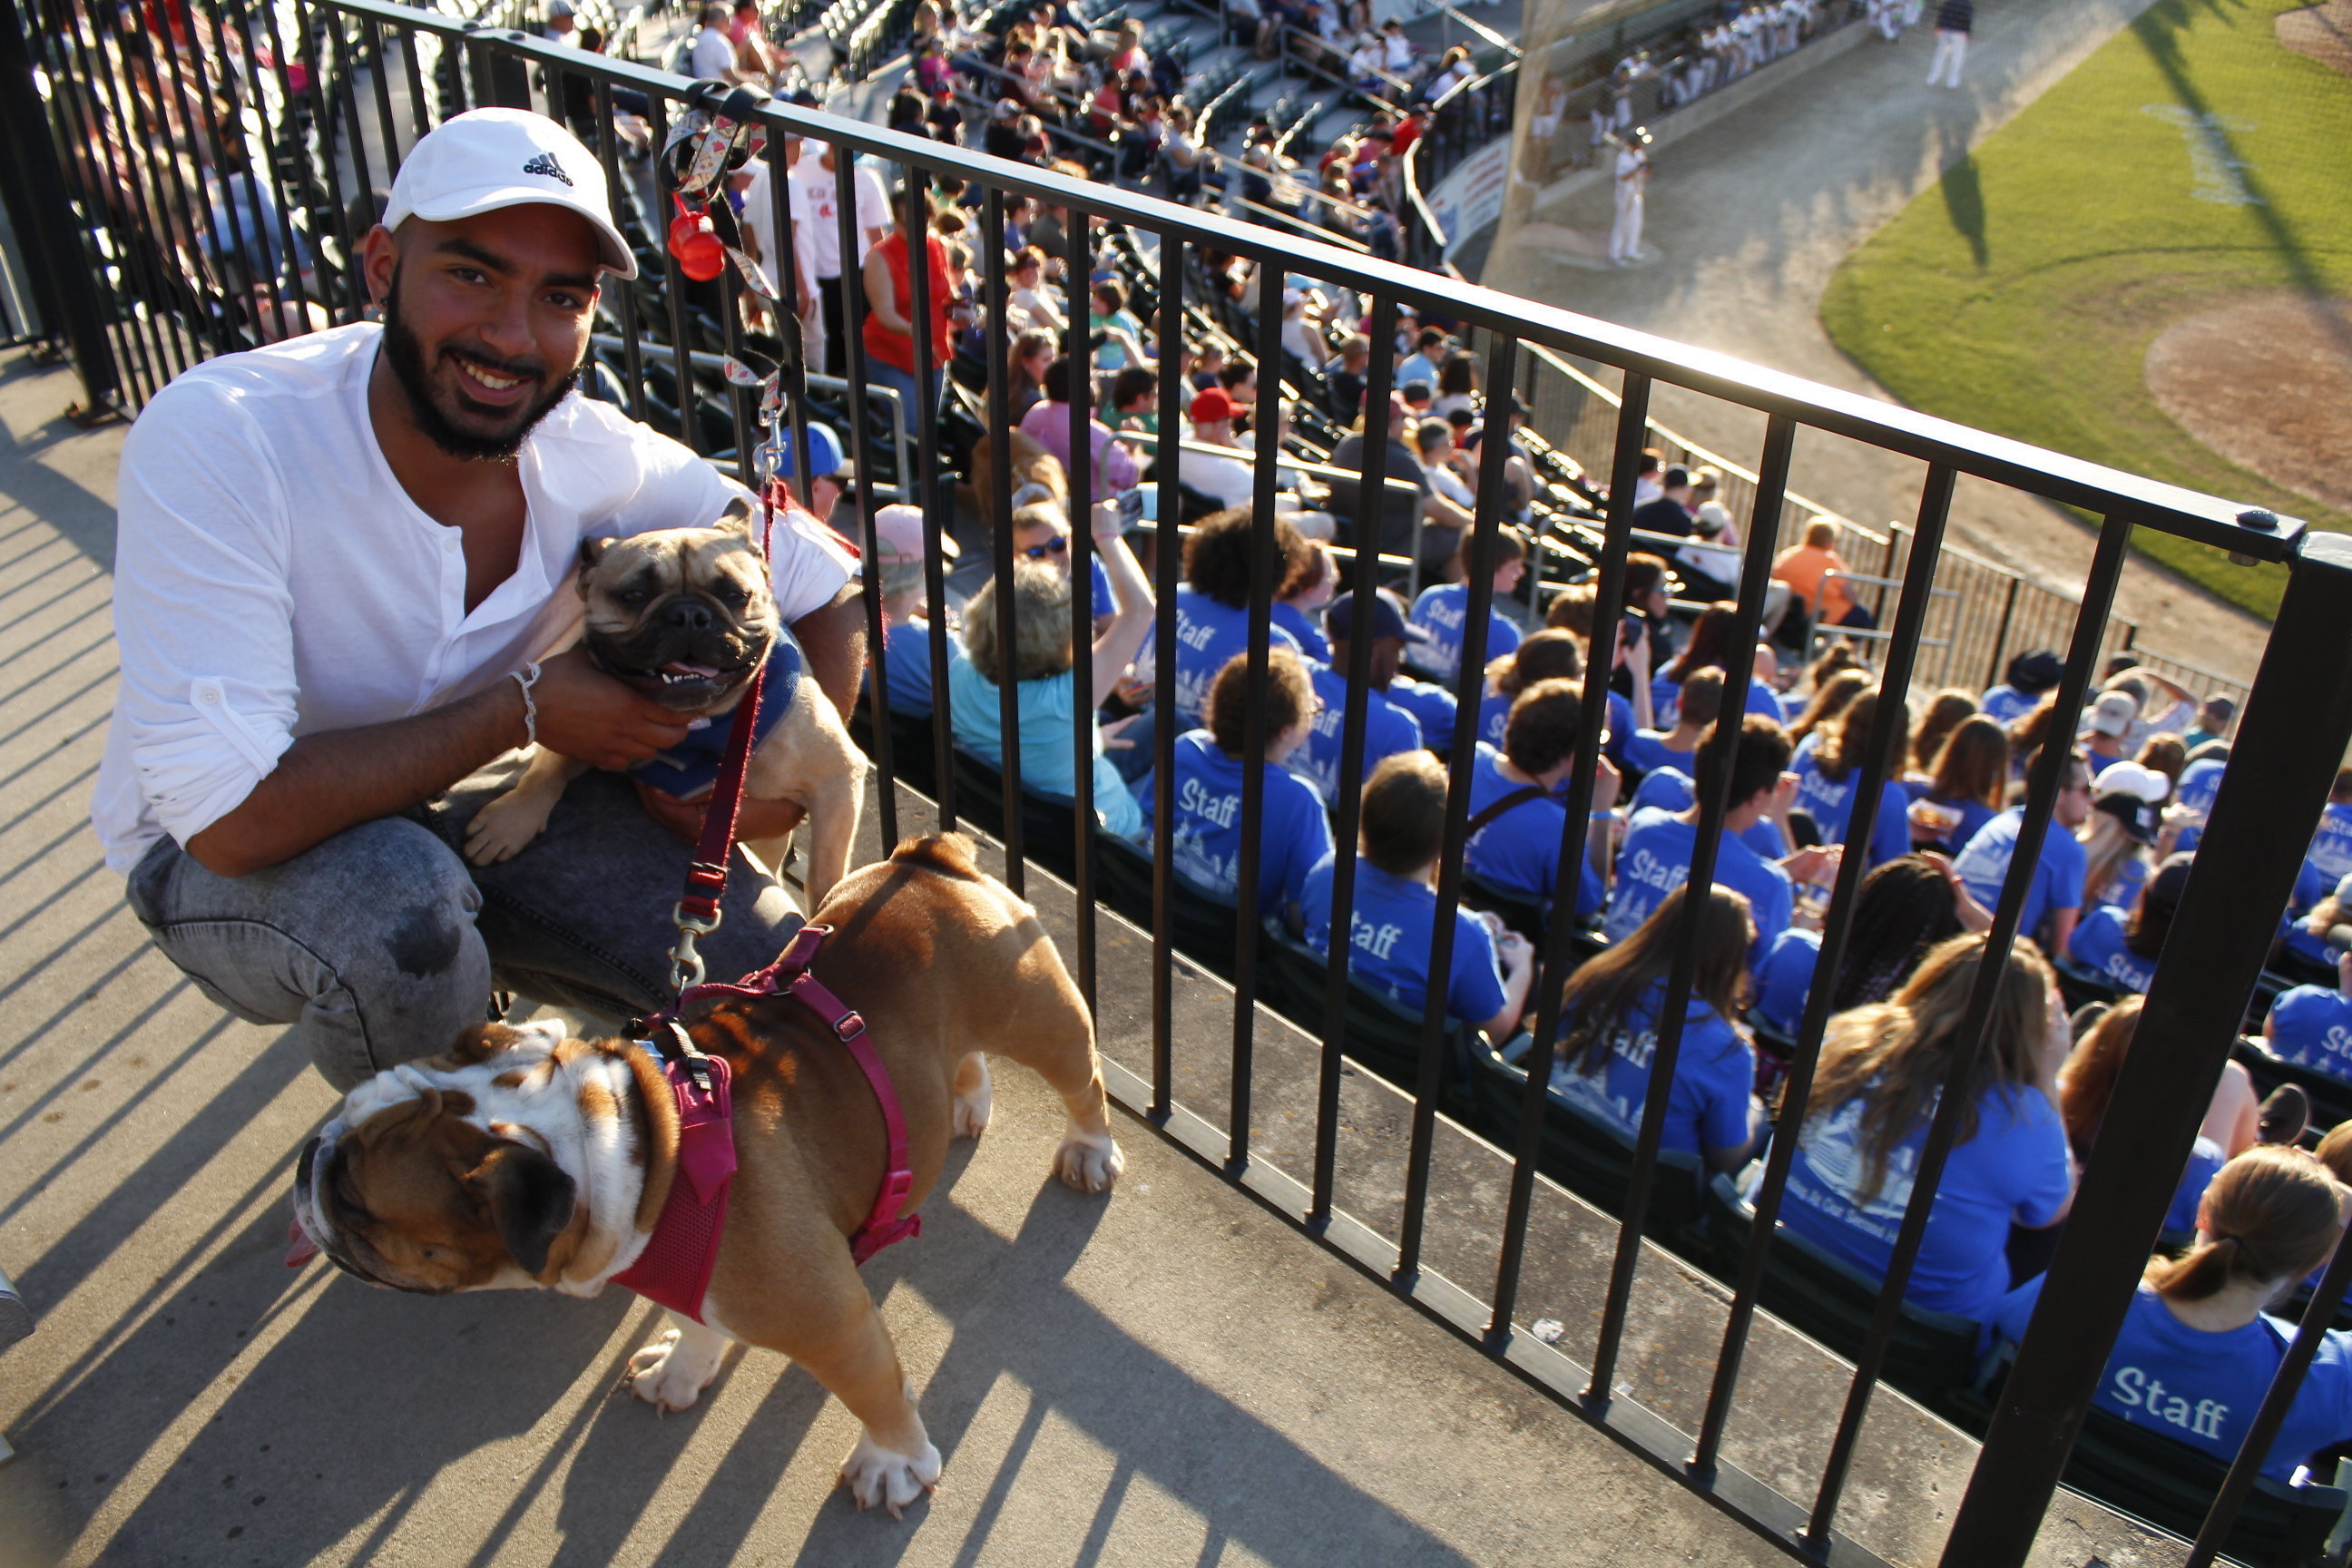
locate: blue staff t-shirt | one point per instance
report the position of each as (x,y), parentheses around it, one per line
(1205,839)
(2199,781)
(1495,714)
(1787,976)
(2311,1026)
(2014,1168)
(2203,1387)
(1388,730)
(1209,633)
(1669,789)
(1831,804)
(2331,846)
(1432,707)
(907,667)
(1519,850)
(1666,694)
(2309,888)
(1442,611)
(2057,881)
(2005,704)
(1303,631)
(1707,1104)
(2097,945)
(1645,750)
(1655,859)
(1390,934)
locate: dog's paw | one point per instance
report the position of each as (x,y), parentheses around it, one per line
(1089,1161)
(971,1110)
(670,1373)
(496,833)
(879,1476)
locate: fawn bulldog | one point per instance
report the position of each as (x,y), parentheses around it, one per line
(526,1157)
(685,615)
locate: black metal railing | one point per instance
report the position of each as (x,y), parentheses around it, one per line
(315,104)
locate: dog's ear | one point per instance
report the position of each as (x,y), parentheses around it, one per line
(591,551)
(737,518)
(530,1198)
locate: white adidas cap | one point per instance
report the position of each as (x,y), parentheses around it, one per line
(491,158)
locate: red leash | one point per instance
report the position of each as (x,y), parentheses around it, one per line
(697,912)
(675,1268)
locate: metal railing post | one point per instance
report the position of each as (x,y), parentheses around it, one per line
(2297,724)
(33,185)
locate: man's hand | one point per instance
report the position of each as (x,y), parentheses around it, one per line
(587,715)
(754,819)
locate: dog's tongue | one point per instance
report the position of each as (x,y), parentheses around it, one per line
(300,1247)
(678,667)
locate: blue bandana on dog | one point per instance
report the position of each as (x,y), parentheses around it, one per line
(688,769)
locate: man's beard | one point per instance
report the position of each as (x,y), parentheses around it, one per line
(405,354)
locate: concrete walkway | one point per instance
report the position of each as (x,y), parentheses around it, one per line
(1170,1376)
(1749,218)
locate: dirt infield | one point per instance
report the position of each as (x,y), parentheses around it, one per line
(2324,32)
(2266,382)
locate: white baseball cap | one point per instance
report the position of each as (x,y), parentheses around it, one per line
(491,158)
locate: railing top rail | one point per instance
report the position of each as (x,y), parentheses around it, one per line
(2208,519)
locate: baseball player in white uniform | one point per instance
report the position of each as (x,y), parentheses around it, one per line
(1633,178)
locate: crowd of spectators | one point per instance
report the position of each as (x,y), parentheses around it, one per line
(2136,771)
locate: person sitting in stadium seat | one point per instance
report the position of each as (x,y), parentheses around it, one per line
(1299,603)
(1828,765)
(1205,837)
(1213,606)
(1041,663)
(1882,1070)
(2233,1119)
(2126,822)
(1608,1032)
(1551,654)
(1443,608)
(1113,470)
(2030,677)
(1709,646)
(1655,857)
(1395,910)
(2199,1350)
(1941,716)
(1817,575)
(1964,787)
(2122,949)
(2311,1026)
(1654,751)
(1389,729)
(907,633)
(2053,898)
(1903,907)
(1520,816)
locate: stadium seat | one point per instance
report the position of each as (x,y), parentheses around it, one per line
(1521,913)
(1932,1356)
(1046,830)
(1587,1155)
(2081,987)
(2331,1096)
(1380,1035)
(1200,925)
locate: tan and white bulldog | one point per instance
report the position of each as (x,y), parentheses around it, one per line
(685,615)
(525,1157)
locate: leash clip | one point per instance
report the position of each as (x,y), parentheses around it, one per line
(686,966)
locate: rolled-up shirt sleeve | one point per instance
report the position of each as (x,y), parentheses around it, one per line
(203,614)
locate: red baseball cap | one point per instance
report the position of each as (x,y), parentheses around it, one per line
(1211,406)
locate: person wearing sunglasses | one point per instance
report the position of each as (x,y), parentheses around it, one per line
(1041,533)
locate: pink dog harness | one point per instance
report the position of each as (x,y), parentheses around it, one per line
(675,1268)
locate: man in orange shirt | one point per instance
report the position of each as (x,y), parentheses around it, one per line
(1808,570)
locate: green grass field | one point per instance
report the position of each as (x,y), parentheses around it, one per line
(2022,293)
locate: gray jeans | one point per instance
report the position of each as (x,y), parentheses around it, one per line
(381,944)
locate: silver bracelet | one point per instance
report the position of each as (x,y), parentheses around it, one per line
(526,678)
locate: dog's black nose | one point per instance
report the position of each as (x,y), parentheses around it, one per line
(688,616)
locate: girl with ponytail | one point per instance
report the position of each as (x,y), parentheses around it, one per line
(1882,1069)
(2198,1348)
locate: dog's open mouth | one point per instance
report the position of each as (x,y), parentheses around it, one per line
(686,683)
